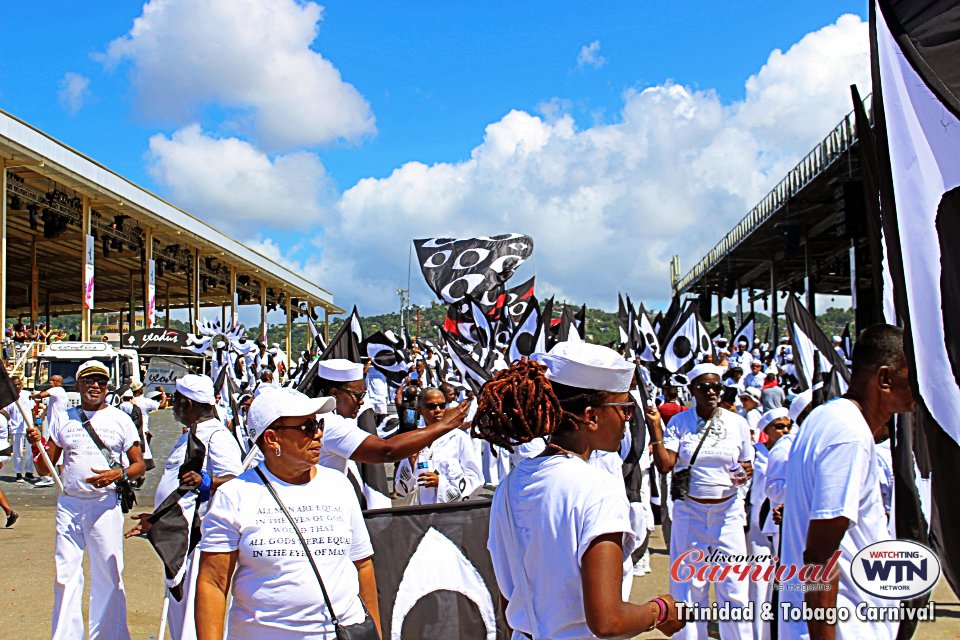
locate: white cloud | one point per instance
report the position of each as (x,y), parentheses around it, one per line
(607,205)
(74,91)
(589,56)
(233,185)
(250,55)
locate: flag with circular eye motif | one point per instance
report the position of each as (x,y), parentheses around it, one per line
(473,266)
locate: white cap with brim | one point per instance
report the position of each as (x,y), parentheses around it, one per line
(92,368)
(136,386)
(339,370)
(703,369)
(127,394)
(197,388)
(273,404)
(770,416)
(587,366)
(156,394)
(800,402)
(751,392)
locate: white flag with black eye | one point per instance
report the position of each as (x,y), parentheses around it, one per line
(471,267)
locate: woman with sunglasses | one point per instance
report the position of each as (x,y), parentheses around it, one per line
(711,516)
(446,471)
(249,545)
(560,532)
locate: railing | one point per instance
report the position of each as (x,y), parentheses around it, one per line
(830,149)
(29,353)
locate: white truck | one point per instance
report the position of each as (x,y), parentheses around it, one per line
(63,359)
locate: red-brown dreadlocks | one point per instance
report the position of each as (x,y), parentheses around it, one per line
(519,404)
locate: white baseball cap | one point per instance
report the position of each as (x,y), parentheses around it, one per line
(284,402)
(703,369)
(587,366)
(196,387)
(800,402)
(770,416)
(751,392)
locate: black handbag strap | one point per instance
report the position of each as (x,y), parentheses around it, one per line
(104,451)
(306,549)
(696,451)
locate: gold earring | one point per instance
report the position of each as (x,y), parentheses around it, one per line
(277,452)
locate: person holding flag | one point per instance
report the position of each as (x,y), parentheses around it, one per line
(89,516)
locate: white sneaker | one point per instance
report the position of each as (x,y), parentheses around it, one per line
(45,481)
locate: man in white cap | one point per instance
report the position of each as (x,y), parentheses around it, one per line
(89,517)
(343,440)
(193,407)
(750,410)
(756,377)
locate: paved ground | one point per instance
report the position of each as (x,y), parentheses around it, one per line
(26,596)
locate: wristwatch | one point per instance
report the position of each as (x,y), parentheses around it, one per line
(123,475)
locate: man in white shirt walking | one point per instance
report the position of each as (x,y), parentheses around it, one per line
(22,458)
(89,517)
(833,498)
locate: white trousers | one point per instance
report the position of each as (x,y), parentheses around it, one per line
(94,526)
(22,454)
(180,614)
(760,591)
(709,527)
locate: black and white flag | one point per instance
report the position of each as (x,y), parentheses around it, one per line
(746,332)
(471,370)
(644,336)
(434,572)
(527,334)
(916,85)
(687,343)
(474,266)
(386,355)
(808,342)
(345,344)
(175,529)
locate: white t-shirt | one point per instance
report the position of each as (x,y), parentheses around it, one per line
(758,485)
(832,472)
(560,505)
(727,444)
(341,437)
(776,480)
(57,404)
(81,455)
(5,435)
(19,422)
(454,458)
(223,457)
(146,406)
(275,592)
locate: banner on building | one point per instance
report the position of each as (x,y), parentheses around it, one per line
(88,272)
(151,294)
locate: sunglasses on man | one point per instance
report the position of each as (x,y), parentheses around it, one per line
(433,406)
(707,387)
(356,395)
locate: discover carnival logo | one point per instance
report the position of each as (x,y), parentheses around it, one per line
(895,569)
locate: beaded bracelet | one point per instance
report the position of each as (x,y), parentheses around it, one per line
(664,610)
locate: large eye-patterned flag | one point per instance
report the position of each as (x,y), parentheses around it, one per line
(457,268)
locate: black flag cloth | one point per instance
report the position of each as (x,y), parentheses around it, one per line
(916,81)
(176,522)
(747,332)
(434,572)
(457,268)
(527,334)
(687,343)
(345,344)
(809,341)
(8,392)
(386,355)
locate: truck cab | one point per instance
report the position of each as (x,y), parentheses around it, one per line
(64,358)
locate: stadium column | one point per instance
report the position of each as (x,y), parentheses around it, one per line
(326,325)
(773,304)
(309,338)
(85,313)
(808,275)
(34,283)
(739,306)
(166,307)
(145,278)
(263,310)
(233,295)
(3,247)
(289,329)
(196,287)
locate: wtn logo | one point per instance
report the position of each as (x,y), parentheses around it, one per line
(902,569)
(895,569)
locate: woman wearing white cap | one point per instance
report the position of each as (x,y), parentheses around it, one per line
(249,539)
(560,531)
(709,449)
(773,425)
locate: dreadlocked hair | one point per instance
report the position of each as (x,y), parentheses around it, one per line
(519,405)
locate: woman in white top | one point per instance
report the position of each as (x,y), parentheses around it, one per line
(711,517)
(447,470)
(560,533)
(247,540)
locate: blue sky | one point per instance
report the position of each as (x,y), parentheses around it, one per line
(503,125)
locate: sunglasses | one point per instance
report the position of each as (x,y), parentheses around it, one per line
(310,428)
(356,395)
(433,406)
(96,380)
(707,387)
(627,408)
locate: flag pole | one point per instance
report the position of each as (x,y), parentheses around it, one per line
(163,615)
(248,459)
(43,452)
